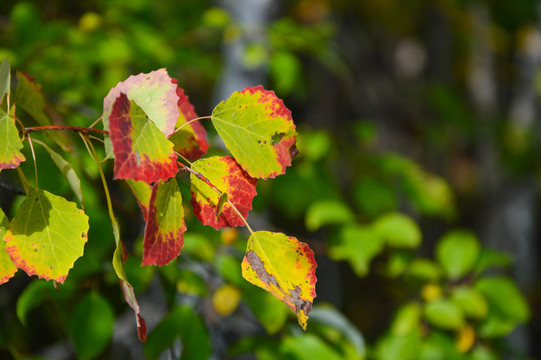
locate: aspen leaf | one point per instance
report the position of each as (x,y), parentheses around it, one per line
(141,150)
(28,96)
(227,176)
(283,266)
(191,138)
(257,128)
(10,143)
(142,191)
(7,267)
(5,79)
(47,235)
(164,232)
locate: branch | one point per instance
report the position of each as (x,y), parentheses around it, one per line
(79,129)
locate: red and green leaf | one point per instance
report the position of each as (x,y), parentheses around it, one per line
(283,266)
(142,152)
(190,139)
(228,177)
(142,191)
(28,96)
(257,128)
(154,92)
(7,267)
(10,143)
(164,232)
(47,235)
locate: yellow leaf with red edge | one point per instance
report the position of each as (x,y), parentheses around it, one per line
(227,176)
(10,143)
(7,267)
(47,235)
(283,266)
(142,152)
(258,129)
(164,232)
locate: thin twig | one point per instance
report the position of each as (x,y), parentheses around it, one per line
(65,127)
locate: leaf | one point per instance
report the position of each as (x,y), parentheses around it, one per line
(504,297)
(164,232)
(457,252)
(308,347)
(471,301)
(283,266)
(182,322)
(226,299)
(444,314)
(47,235)
(257,128)
(270,311)
(67,170)
(91,326)
(424,269)
(327,212)
(10,143)
(5,79)
(407,319)
(7,267)
(142,191)
(358,245)
(191,140)
(155,93)
(29,97)
(228,177)
(398,230)
(141,150)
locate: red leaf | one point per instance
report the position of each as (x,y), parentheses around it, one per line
(141,150)
(229,177)
(164,232)
(191,140)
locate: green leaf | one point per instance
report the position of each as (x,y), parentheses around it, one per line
(271,312)
(7,267)
(424,269)
(471,301)
(490,259)
(358,245)
(10,143)
(374,197)
(308,347)
(481,352)
(28,96)
(457,252)
(407,320)
(142,152)
(142,191)
(258,130)
(5,79)
(398,347)
(67,170)
(327,212)
(32,296)
(47,235)
(226,175)
(398,230)
(444,314)
(505,297)
(91,326)
(184,324)
(283,266)
(164,231)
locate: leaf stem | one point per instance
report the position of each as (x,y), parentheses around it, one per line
(95,122)
(33,157)
(191,121)
(79,129)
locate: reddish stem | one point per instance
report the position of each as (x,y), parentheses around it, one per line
(63,127)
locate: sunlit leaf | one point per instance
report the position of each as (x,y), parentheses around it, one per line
(444,314)
(10,143)
(28,96)
(226,299)
(327,212)
(407,319)
(91,326)
(398,230)
(154,93)
(67,170)
(7,267)
(358,245)
(47,235)
(505,297)
(5,79)
(472,301)
(141,150)
(191,140)
(164,232)
(457,252)
(283,266)
(258,130)
(308,347)
(227,176)
(142,191)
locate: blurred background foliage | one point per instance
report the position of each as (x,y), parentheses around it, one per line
(417,182)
